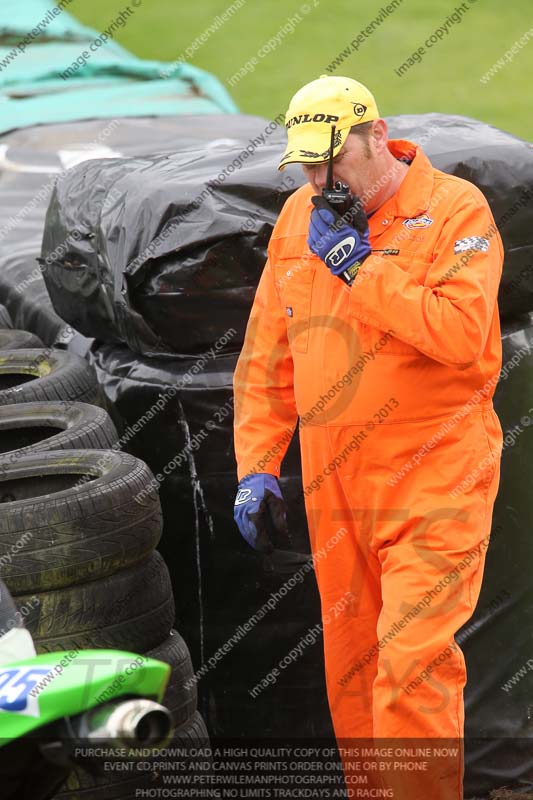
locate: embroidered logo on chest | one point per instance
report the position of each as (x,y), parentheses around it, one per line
(418,222)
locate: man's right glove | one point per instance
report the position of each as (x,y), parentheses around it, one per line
(341,242)
(260,512)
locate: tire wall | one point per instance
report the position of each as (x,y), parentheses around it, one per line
(218,581)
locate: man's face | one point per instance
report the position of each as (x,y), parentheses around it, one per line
(355,165)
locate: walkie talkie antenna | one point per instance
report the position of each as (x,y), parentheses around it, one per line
(329,178)
(340,198)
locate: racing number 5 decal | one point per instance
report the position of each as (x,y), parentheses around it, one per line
(15,687)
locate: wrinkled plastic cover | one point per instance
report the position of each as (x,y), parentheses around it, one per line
(498,639)
(17,19)
(109,82)
(170,253)
(168,248)
(31,160)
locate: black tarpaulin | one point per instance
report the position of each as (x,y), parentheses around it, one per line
(32,159)
(164,252)
(498,639)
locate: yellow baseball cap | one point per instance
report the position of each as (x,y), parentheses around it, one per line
(317,106)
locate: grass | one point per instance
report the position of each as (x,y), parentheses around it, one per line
(446,80)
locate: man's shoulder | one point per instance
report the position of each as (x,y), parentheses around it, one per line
(293,219)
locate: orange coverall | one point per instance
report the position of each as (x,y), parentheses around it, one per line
(392,381)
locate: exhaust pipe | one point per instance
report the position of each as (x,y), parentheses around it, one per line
(127,723)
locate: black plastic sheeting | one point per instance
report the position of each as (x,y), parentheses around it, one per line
(164,253)
(498,639)
(219,582)
(32,159)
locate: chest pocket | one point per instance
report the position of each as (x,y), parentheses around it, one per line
(294,279)
(381,342)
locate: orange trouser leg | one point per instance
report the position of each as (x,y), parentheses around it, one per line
(412,557)
(418,690)
(347,573)
(348,580)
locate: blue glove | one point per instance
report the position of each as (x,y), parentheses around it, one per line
(260,512)
(342,246)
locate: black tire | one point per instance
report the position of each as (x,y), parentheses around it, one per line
(11,339)
(36,427)
(30,376)
(9,615)
(194,733)
(57,529)
(123,785)
(181,693)
(5,318)
(130,610)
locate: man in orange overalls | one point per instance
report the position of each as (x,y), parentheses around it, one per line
(382,337)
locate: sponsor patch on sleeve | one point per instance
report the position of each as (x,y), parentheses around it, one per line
(471,243)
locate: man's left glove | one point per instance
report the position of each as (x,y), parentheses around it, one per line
(342,243)
(260,512)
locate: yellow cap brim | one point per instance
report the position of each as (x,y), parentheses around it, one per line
(308,146)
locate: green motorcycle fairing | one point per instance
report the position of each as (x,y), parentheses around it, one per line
(35,692)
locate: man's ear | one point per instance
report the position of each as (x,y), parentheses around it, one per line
(379,136)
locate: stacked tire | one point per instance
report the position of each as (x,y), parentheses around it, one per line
(12,339)
(79,524)
(5,318)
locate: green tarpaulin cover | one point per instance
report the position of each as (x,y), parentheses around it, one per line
(54,69)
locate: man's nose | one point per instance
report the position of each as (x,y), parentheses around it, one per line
(320,175)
